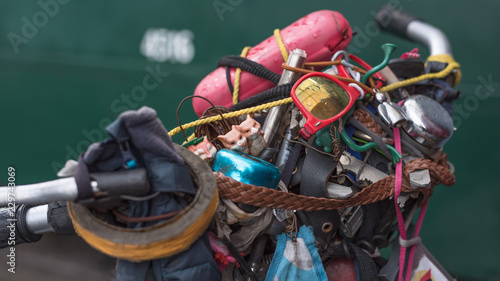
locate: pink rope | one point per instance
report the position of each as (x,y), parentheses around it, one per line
(401,223)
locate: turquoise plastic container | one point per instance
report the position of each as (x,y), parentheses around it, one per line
(246,168)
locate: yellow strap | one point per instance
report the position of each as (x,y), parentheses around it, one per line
(236,92)
(444,58)
(284,52)
(443,73)
(230,115)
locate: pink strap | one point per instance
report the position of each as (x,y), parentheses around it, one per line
(397,192)
(413,54)
(401,224)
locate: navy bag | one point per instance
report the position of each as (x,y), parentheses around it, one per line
(138,139)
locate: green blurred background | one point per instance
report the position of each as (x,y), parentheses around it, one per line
(72,72)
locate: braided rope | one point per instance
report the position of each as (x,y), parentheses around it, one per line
(264,197)
(439,174)
(254,109)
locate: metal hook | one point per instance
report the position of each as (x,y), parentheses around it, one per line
(345,60)
(341,52)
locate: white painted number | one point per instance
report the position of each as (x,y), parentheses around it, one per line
(161,45)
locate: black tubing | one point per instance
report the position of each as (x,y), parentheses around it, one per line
(250,66)
(273,94)
(393,20)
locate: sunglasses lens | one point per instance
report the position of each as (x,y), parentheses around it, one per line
(322,97)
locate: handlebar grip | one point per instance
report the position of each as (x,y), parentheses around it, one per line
(58,218)
(13,227)
(27,224)
(129,182)
(393,20)
(4,227)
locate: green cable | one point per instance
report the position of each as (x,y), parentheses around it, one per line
(365,142)
(396,157)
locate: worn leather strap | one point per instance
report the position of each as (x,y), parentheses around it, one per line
(315,173)
(287,172)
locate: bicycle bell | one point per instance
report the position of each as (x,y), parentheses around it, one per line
(431,124)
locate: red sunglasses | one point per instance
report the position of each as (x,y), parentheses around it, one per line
(322,99)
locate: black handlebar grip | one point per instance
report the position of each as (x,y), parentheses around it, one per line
(393,20)
(13,228)
(130,182)
(5,230)
(58,218)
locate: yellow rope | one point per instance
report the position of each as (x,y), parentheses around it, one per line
(236,92)
(230,115)
(443,73)
(445,58)
(237,77)
(284,52)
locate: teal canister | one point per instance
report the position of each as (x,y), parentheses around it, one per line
(246,168)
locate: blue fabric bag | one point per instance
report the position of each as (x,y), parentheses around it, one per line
(297,260)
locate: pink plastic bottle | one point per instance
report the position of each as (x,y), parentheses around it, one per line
(320,34)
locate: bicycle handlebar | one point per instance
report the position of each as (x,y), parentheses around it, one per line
(25,224)
(410,27)
(130,182)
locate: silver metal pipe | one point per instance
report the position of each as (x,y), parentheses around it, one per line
(431,36)
(274,119)
(64,189)
(297,58)
(37,219)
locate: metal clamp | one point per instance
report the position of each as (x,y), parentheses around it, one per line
(360,168)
